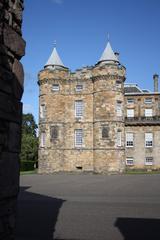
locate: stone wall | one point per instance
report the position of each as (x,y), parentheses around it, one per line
(139,104)
(12,48)
(103,87)
(139,125)
(139,151)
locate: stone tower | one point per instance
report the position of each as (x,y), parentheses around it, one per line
(51,118)
(108,118)
(81,121)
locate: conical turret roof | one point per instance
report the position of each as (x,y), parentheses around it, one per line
(54,60)
(108,55)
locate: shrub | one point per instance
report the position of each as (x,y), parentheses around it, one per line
(27,165)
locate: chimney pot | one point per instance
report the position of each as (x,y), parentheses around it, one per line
(155,79)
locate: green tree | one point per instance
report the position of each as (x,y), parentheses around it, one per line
(29,145)
(29,125)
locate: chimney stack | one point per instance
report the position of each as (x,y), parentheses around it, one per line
(155,79)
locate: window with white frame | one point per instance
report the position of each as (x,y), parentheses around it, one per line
(129,161)
(79,87)
(130,100)
(148,100)
(119,139)
(42,111)
(129,140)
(55,87)
(148,139)
(79,109)
(43,139)
(130,112)
(148,112)
(78,137)
(149,161)
(119,109)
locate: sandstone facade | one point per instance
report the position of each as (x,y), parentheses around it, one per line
(146,119)
(99,90)
(99,94)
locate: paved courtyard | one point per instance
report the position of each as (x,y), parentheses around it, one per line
(89,207)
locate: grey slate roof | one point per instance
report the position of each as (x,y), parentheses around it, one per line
(54,60)
(132,88)
(108,54)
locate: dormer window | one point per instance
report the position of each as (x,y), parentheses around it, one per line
(79,87)
(55,87)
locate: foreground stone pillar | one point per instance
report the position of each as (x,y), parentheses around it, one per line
(12,48)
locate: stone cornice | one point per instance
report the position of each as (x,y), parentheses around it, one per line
(50,81)
(94,78)
(107,77)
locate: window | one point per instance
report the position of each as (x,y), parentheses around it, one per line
(148,139)
(42,111)
(54,132)
(130,100)
(118,84)
(130,112)
(43,139)
(148,112)
(55,87)
(129,139)
(119,109)
(79,87)
(79,108)
(129,161)
(105,131)
(149,161)
(148,100)
(78,137)
(119,139)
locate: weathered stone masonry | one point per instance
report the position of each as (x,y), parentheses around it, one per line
(102,89)
(119,126)
(12,47)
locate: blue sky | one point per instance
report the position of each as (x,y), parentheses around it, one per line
(80,28)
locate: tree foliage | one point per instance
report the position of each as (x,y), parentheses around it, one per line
(29,145)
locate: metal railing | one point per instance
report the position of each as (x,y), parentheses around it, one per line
(143,120)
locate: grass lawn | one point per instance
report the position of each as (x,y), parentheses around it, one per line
(28,172)
(141,171)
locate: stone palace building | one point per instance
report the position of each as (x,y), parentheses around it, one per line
(91,121)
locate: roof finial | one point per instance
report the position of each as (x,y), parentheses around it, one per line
(108,37)
(54,43)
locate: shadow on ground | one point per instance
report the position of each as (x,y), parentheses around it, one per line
(36,216)
(139,228)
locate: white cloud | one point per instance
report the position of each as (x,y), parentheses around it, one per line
(57,1)
(27,108)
